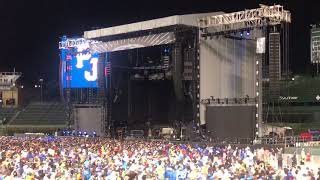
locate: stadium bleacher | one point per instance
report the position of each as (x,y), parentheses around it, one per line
(6,114)
(41,114)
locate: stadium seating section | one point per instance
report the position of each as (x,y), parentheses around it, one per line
(41,114)
(6,114)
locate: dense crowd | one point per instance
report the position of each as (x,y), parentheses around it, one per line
(99,158)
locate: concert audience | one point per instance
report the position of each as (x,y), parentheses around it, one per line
(99,158)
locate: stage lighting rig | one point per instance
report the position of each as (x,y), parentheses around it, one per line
(237,21)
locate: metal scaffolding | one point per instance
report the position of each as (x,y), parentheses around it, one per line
(247,19)
(259,18)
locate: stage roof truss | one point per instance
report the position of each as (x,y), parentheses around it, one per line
(247,19)
(188,20)
(133,43)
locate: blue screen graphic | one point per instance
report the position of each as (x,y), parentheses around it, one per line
(79,67)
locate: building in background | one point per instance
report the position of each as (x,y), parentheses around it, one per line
(315,46)
(10,90)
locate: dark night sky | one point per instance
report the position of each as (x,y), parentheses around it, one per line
(30,29)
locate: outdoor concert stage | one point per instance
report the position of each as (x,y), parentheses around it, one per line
(159,71)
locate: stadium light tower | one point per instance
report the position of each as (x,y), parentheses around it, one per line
(41,93)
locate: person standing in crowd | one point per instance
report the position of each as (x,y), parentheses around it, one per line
(181,173)
(289,161)
(303,157)
(308,157)
(280,158)
(294,159)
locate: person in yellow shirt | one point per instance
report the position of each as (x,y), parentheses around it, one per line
(79,176)
(160,172)
(30,177)
(193,174)
(205,171)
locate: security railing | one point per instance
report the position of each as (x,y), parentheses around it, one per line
(292,141)
(288,141)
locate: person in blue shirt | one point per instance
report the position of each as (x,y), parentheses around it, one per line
(181,173)
(86,174)
(87,164)
(170,173)
(242,154)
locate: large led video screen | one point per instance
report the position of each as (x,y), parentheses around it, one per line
(79,67)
